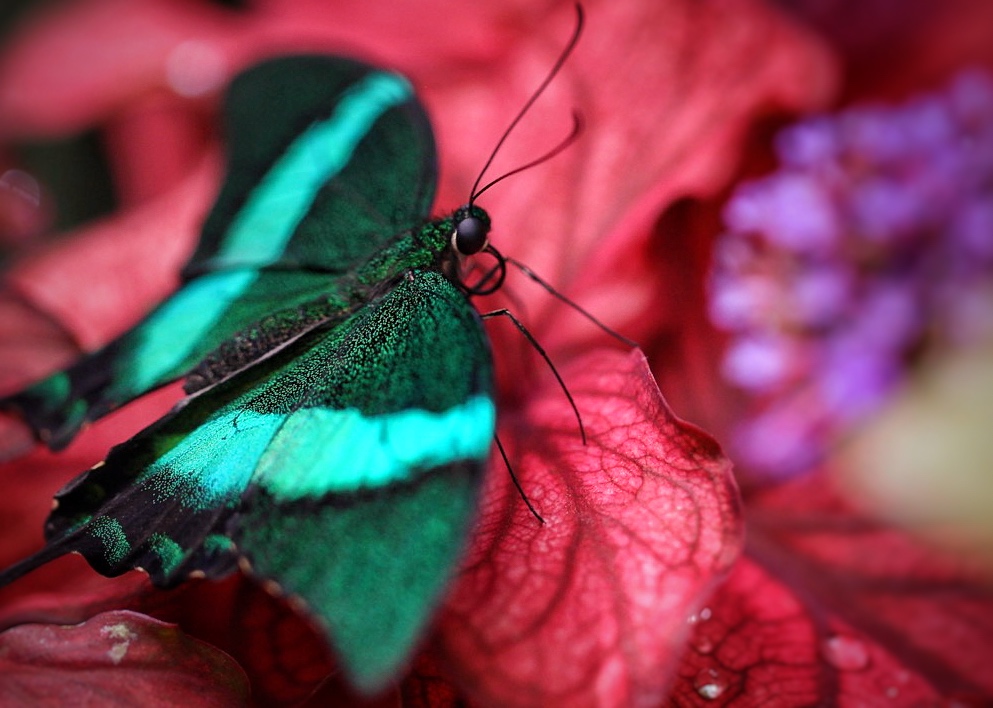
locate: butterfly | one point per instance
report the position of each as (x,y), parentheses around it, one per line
(340,395)
(340,407)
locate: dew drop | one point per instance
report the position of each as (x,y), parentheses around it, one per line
(710,684)
(845,653)
(703,645)
(702,616)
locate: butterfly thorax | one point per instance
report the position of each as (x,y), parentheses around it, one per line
(435,245)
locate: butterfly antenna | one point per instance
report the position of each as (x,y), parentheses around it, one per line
(559,296)
(517,482)
(577,127)
(527,106)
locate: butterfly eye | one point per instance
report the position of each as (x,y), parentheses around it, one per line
(470,235)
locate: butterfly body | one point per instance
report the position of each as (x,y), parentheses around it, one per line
(340,408)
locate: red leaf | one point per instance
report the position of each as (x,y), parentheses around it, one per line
(117,658)
(663,119)
(666,99)
(284,655)
(590,608)
(832,608)
(428,685)
(103,278)
(31,344)
(74,65)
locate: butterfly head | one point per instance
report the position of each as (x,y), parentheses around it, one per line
(472,229)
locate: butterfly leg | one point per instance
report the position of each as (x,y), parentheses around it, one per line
(541,351)
(517,482)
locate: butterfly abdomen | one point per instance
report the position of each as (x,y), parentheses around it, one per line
(263,337)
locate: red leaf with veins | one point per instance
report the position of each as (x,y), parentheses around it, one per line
(664,117)
(590,608)
(666,98)
(115,659)
(285,656)
(832,608)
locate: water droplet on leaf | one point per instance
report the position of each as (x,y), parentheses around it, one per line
(703,645)
(702,616)
(845,653)
(711,684)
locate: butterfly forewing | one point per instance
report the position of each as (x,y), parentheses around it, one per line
(328,161)
(316,183)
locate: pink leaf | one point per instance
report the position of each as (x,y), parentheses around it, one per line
(117,658)
(643,521)
(590,608)
(665,98)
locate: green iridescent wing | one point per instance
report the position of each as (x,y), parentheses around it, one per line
(344,466)
(329,160)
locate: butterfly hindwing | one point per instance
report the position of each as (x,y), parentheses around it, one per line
(344,466)
(328,160)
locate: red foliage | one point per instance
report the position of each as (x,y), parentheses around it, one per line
(589,608)
(642,522)
(834,607)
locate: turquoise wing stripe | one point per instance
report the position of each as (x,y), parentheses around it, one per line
(314,452)
(287,191)
(361,452)
(168,336)
(174,338)
(211,468)
(328,159)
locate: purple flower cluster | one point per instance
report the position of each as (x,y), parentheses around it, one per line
(871,244)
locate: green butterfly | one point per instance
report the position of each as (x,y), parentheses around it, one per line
(341,390)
